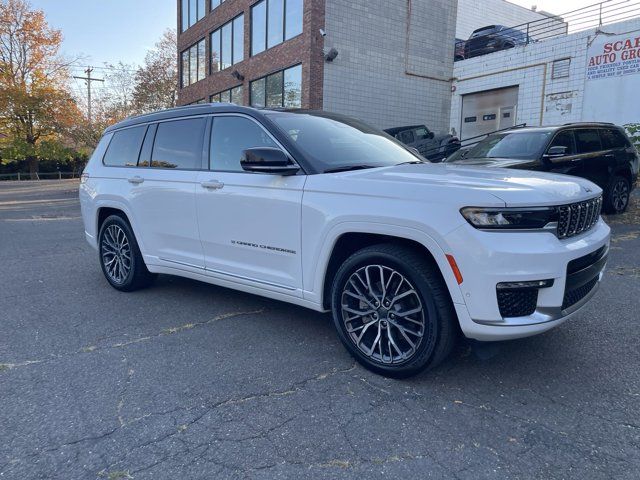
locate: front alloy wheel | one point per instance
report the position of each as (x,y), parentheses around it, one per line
(383,314)
(620,195)
(116,254)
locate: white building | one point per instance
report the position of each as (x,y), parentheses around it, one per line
(593,75)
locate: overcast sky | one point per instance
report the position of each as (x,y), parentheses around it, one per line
(556,6)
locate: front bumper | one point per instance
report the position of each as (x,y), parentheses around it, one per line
(489,258)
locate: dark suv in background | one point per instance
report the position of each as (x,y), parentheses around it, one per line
(600,152)
(431,146)
(493,39)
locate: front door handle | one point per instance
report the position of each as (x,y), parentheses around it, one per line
(136,180)
(212,185)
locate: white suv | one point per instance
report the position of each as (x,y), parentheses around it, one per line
(325,212)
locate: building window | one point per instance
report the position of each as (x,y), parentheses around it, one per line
(280,89)
(273,22)
(561,68)
(233,95)
(227,44)
(192,11)
(194,63)
(216,3)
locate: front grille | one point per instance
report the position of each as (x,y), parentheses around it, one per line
(571,297)
(578,217)
(517,302)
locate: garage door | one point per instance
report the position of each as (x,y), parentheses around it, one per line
(488,111)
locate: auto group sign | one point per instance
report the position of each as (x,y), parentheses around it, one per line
(612,79)
(613,57)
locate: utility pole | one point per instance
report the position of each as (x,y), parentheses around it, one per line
(88,79)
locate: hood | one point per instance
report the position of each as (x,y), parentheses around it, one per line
(469,186)
(491,162)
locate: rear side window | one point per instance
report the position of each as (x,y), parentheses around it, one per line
(613,138)
(178,144)
(588,141)
(230,137)
(124,148)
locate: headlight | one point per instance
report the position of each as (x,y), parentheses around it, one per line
(510,218)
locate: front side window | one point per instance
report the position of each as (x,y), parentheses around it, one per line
(331,141)
(227,44)
(194,64)
(422,133)
(124,148)
(280,89)
(518,145)
(565,139)
(178,144)
(588,140)
(232,135)
(273,22)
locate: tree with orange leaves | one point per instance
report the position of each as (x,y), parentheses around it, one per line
(35,106)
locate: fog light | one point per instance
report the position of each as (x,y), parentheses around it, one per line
(524,285)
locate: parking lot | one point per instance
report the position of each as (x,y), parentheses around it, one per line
(188,380)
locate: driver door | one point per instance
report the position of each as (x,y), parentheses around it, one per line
(249,222)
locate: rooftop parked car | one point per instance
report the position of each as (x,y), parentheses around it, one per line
(435,147)
(494,38)
(599,152)
(325,212)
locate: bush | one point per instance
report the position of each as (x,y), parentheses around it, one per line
(633,130)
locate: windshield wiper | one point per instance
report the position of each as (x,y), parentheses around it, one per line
(346,168)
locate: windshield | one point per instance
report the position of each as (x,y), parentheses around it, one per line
(520,145)
(335,142)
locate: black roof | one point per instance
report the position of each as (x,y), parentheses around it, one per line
(186,111)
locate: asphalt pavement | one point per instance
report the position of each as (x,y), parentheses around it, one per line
(187,380)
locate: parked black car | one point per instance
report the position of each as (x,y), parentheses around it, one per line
(493,39)
(431,146)
(600,152)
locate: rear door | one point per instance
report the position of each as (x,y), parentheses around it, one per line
(249,222)
(163,192)
(593,155)
(617,150)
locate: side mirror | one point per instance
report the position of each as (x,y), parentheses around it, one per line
(556,152)
(267,160)
(431,135)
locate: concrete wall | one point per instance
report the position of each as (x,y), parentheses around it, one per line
(473,14)
(542,99)
(369,78)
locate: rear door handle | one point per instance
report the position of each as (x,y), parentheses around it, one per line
(136,180)
(212,185)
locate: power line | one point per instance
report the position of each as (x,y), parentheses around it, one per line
(88,79)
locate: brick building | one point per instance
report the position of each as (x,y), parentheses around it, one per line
(388,62)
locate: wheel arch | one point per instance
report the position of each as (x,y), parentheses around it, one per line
(348,242)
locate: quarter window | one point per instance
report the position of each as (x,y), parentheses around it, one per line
(124,148)
(280,89)
(273,22)
(230,137)
(227,44)
(612,138)
(194,64)
(588,141)
(178,144)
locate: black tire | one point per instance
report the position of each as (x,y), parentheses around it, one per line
(133,273)
(440,329)
(617,194)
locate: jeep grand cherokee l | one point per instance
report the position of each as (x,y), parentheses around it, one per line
(600,152)
(323,211)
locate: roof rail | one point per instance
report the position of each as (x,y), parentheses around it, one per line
(588,123)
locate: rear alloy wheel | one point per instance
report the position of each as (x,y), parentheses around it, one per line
(617,195)
(120,257)
(392,310)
